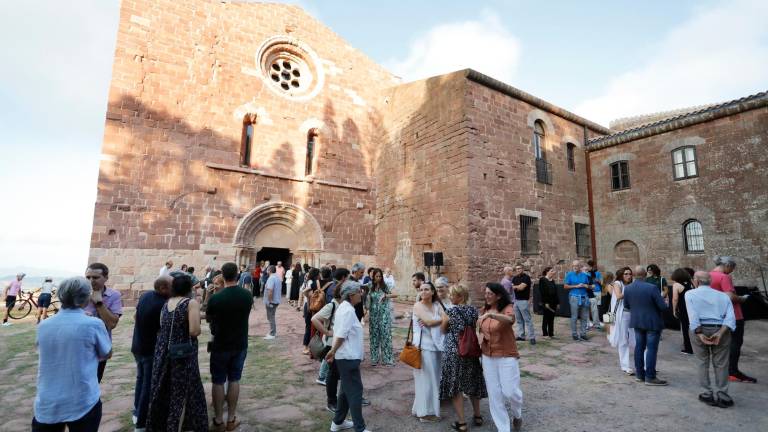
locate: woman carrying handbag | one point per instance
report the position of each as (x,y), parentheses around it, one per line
(428,318)
(177,399)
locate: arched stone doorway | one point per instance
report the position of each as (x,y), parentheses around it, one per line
(282,229)
(626,253)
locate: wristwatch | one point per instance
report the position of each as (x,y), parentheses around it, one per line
(99,303)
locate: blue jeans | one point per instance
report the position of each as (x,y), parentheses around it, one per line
(579,312)
(646,342)
(143,388)
(524,319)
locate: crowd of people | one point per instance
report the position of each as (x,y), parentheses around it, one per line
(336,304)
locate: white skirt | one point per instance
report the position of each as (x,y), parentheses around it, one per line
(427,381)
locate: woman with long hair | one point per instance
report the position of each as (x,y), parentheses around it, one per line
(461,375)
(500,358)
(549,301)
(428,316)
(380,320)
(177,399)
(620,334)
(682,283)
(296,280)
(309,288)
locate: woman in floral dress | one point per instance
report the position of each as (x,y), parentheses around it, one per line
(380,321)
(461,374)
(177,399)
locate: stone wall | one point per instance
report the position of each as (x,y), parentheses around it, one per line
(186,76)
(729,197)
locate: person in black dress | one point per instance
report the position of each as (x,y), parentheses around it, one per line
(297,279)
(549,301)
(177,399)
(682,284)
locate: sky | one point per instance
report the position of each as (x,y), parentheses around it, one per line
(601,60)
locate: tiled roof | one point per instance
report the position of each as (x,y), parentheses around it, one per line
(708,113)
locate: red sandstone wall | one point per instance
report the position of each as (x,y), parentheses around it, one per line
(184,75)
(422,179)
(729,198)
(502,179)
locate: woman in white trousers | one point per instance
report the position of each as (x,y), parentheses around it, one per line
(500,358)
(620,334)
(428,317)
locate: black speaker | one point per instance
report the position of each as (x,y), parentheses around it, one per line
(429,259)
(439,259)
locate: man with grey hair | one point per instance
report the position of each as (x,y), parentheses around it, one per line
(347,353)
(68,391)
(711,321)
(356,274)
(646,305)
(506,282)
(272,291)
(576,283)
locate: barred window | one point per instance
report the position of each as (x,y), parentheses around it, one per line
(569,153)
(246,140)
(694,236)
(620,175)
(583,240)
(684,163)
(538,140)
(529,235)
(311,142)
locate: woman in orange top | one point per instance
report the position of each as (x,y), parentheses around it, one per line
(500,367)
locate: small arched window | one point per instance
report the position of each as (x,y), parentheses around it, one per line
(570,151)
(538,139)
(311,147)
(693,235)
(246,141)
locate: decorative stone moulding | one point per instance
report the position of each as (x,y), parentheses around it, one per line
(290,68)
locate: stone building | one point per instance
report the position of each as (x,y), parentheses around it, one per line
(247,132)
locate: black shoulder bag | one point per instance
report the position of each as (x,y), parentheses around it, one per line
(181,350)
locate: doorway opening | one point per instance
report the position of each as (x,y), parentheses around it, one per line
(273,255)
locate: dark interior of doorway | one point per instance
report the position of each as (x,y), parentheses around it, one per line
(273,255)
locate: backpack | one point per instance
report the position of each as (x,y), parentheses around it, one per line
(316,300)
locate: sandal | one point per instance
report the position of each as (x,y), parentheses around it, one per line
(462,427)
(478,420)
(218,427)
(233,424)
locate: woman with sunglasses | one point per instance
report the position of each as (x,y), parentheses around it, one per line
(621,335)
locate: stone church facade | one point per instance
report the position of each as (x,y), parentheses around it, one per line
(240,131)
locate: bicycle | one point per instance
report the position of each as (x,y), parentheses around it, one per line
(24,306)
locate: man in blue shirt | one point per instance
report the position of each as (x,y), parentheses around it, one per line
(272,290)
(645,304)
(711,321)
(246,280)
(577,282)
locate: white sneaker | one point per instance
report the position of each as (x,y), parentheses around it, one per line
(134,419)
(6,324)
(269,337)
(319,381)
(139,430)
(348,424)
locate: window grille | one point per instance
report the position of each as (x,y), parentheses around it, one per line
(583,240)
(529,235)
(543,171)
(694,236)
(569,152)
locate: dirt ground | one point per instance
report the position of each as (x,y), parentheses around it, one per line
(567,386)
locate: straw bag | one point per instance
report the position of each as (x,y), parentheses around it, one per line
(411,355)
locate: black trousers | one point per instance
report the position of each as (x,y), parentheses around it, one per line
(548,323)
(332,384)
(737,340)
(307,324)
(684,324)
(87,423)
(100,370)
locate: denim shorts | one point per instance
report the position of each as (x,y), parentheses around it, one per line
(44,300)
(227,366)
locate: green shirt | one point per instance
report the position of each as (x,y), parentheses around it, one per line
(228,312)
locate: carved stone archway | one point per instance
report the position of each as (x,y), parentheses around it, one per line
(279,225)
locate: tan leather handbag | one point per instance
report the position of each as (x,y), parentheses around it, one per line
(410,354)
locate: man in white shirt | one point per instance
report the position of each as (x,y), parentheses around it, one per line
(712,320)
(166,269)
(347,353)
